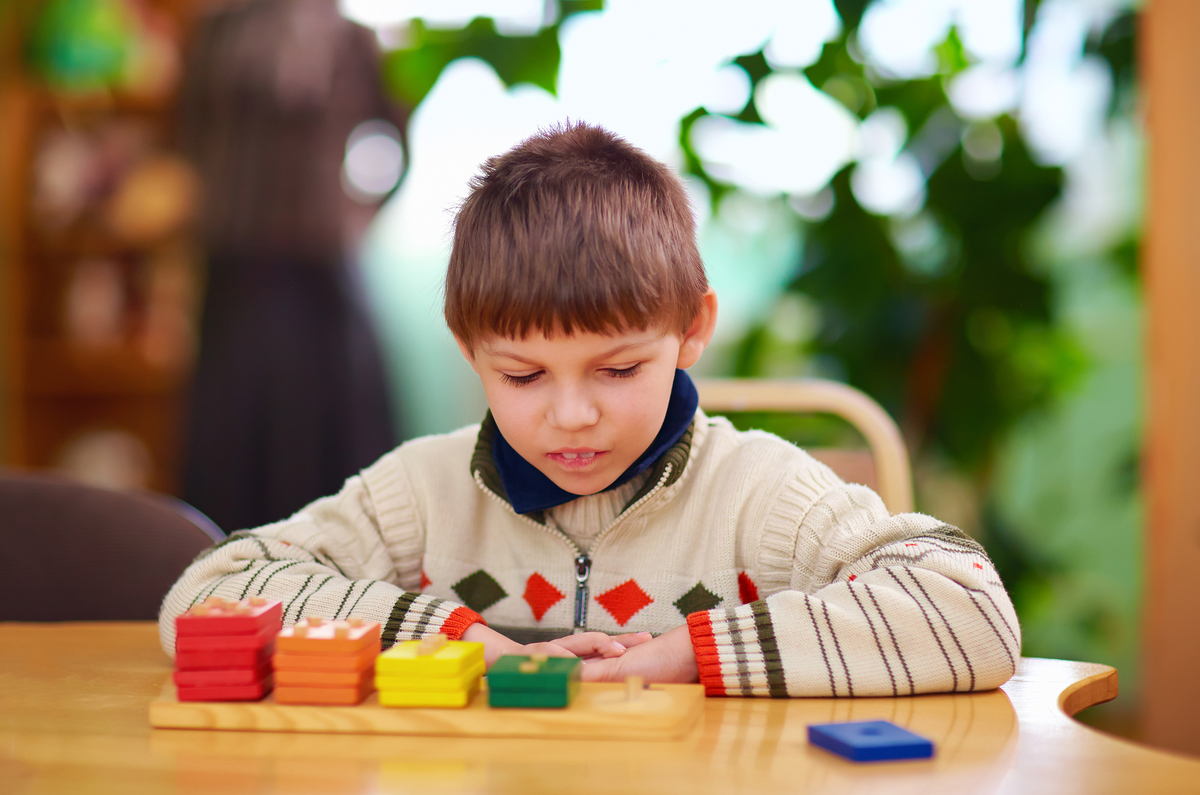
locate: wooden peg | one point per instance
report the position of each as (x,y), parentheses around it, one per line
(633,688)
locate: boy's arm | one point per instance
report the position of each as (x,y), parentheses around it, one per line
(909,605)
(879,605)
(331,560)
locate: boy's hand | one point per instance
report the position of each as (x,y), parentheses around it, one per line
(588,645)
(598,646)
(667,658)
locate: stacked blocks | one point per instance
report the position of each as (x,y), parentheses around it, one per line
(326,662)
(433,672)
(223,649)
(536,681)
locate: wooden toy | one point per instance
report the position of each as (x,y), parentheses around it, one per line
(303,678)
(433,672)
(223,649)
(435,656)
(540,681)
(220,677)
(326,662)
(869,741)
(217,616)
(431,698)
(249,642)
(329,638)
(317,662)
(216,660)
(250,692)
(599,711)
(345,696)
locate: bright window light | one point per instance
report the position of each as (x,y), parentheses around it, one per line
(801,31)
(374,160)
(512,17)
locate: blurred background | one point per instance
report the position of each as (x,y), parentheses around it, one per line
(225,226)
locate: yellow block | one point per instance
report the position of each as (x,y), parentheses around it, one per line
(437,684)
(407,698)
(452,659)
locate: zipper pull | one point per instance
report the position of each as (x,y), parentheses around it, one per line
(583,569)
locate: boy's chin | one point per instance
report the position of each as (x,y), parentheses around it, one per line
(581,484)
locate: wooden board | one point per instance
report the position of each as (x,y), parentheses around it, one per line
(600,711)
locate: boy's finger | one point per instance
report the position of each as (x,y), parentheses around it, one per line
(601,671)
(592,644)
(554,649)
(633,639)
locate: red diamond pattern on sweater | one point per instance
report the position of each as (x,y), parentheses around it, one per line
(624,601)
(425,581)
(747,590)
(540,595)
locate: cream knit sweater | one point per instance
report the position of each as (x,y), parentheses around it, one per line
(792,583)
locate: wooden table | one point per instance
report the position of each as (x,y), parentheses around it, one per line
(74,697)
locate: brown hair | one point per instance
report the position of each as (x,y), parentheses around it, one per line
(573,229)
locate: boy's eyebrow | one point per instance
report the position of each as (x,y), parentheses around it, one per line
(501,352)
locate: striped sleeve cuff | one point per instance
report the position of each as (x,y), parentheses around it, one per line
(736,651)
(418,615)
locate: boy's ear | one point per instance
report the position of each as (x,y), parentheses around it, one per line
(696,339)
(467,353)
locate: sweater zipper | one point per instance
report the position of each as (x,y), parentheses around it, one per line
(583,570)
(583,562)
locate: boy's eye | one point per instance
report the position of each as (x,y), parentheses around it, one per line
(628,372)
(520,380)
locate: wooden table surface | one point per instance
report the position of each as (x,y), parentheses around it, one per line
(73,719)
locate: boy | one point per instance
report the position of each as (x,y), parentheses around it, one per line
(596,511)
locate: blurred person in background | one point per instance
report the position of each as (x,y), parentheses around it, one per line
(289,395)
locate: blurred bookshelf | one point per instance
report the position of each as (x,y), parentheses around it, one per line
(99,275)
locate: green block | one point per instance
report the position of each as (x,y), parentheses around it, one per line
(553,684)
(532,698)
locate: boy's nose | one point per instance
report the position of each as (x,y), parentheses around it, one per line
(573,411)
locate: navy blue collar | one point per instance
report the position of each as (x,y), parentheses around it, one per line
(529,490)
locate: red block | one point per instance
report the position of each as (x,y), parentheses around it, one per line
(226,642)
(209,660)
(226,692)
(222,677)
(220,617)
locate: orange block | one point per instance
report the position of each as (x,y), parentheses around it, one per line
(322,678)
(365,659)
(317,636)
(333,696)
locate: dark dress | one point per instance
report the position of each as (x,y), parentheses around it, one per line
(289,397)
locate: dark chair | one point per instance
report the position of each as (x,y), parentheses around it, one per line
(70,552)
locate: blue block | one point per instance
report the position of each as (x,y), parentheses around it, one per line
(870,741)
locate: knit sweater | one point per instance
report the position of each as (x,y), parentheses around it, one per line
(791,582)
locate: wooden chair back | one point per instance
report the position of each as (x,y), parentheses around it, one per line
(884,466)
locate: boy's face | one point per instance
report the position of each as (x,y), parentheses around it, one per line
(582,408)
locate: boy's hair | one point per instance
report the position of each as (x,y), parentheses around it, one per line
(573,229)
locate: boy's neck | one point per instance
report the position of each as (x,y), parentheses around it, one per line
(531,491)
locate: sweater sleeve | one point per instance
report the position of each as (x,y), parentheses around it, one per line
(874,605)
(333,559)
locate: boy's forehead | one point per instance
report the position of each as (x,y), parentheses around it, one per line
(576,344)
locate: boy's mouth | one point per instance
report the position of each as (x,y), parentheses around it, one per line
(576,459)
